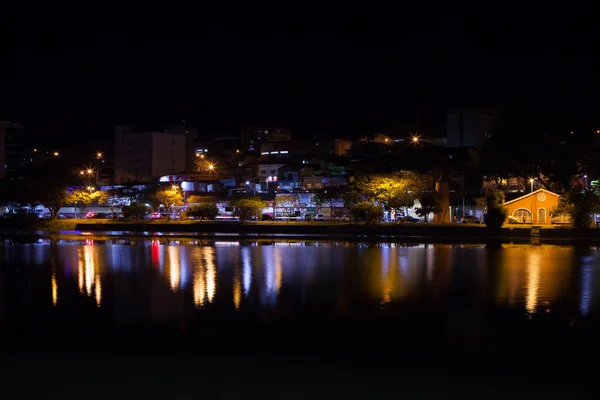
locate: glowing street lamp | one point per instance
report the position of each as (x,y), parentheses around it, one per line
(415,139)
(56,154)
(531,182)
(90,189)
(99,155)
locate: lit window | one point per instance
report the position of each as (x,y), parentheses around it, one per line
(274,152)
(284,152)
(264,152)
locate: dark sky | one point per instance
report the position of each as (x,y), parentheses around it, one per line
(68,73)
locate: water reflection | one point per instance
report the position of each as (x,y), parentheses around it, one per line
(54,290)
(205,277)
(533,281)
(273,274)
(161,278)
(88,273)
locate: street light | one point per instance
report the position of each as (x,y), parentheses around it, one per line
(585,176)
(90,189)
(55,154)
(531,181)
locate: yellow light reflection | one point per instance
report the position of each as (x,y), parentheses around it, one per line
(88,273)
(199,287)
(54,290)
(98,290)
(174,267)
(89,269)
(80,269)
(210,273)
(533,281)
(237,289)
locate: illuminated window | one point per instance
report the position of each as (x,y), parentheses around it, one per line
(522,215)
(284,152)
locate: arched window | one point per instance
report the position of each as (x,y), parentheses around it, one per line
(541,215)
(522,212)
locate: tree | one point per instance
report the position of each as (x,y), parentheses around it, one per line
(47,184)
(247,207)
(203,210)
(496,212)
(396,190)
(430,203)
(168,198)
(194,199)
(100,197)
(330,197)
(136,211)
(366,212)
(579,206)
(78,196)
(288,203)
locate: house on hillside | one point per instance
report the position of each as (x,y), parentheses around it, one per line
(540,201)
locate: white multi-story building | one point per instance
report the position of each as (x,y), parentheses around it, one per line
(146,156)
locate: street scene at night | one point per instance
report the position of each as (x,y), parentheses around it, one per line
(300,207)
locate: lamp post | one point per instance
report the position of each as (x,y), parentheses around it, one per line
(531,182)
(585,176)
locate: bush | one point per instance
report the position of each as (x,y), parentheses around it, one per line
(202,211)
(496,212)
(366,212)
(136,211)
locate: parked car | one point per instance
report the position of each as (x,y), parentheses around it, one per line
(90,215)
(155,215)
(513,220)
(470,219)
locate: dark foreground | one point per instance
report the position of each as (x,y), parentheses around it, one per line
(310,320)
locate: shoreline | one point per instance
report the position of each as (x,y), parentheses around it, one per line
(423,233)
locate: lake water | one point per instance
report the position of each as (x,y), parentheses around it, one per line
(517,314)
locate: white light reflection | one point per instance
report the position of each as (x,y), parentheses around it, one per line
(586,288)
(273,272)
(246,270)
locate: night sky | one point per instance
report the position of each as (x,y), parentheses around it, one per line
(332,72)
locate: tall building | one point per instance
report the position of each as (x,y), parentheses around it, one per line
(254,136)
(470,126)
(146,156)
(13,149)
(191,136)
